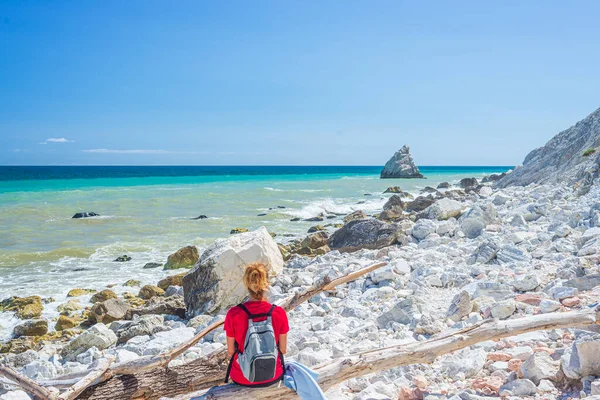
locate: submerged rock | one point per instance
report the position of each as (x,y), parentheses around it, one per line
(152,265)
(185,257)
(123,258)
(215,281)
(238,230)
(85,215)
(23,307)
(364,234)
(401,165)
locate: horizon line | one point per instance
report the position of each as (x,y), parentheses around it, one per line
(244,165)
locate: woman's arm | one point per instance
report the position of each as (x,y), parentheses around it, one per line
(282,343)
(230,346)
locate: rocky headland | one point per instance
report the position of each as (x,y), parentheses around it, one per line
(457,255)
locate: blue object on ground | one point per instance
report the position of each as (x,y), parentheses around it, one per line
(303,380)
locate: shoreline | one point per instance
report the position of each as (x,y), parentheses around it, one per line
(434,262)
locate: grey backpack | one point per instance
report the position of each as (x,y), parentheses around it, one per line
(258,359)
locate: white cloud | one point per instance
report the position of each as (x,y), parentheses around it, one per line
(120,151)
(57,140)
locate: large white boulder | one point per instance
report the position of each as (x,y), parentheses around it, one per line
(444,209)
(215,283)
(99,336)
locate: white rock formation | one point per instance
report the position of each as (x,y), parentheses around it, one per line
(401,165)
(215,283)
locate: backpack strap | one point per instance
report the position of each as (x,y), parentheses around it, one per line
(252,316)
(231,363)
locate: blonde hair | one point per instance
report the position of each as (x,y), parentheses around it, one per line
(256,279)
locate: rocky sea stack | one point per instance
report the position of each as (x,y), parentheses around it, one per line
(401,165)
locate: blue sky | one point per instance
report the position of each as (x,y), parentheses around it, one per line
(292,82)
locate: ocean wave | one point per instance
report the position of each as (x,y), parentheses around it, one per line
(273,189)
(340,206)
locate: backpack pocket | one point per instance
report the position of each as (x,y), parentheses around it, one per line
(262,368)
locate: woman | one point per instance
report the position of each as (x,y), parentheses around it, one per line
(237,321)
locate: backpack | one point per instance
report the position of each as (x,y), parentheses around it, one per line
(258,359)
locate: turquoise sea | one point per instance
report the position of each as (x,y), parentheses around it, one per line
(146,212)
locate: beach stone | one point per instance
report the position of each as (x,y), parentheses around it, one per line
(141,325)
(528,298)
(364,234)
(511,254)
(423,228)
(358,214)
(419,204)
(23,307)
(466,362)
(174,291)
(466,183)
(401,165)
(132,283)
(80,292)
(500,199)
(65,322)
(151,265)
(34,327)
(215,281)
(108,311)
(584,357)
(518,387)
(98,336)
(172,305)
(185,257)
(460,306)
(526,282)
(472,227)
(443,209)
(484,253)
(518,221)
(584,283)
(88,214)
(392,209)
(571,302)
(539,366)
(403,312)
(173,280)
(315,240)
(316,228)
(495,290)
(562,292)
(548,306)
(503,309)
(150,291)
(103,296)
(444,185)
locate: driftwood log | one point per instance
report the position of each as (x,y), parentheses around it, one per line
(150,377)
(341,369)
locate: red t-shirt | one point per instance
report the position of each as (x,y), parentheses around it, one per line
(236,325)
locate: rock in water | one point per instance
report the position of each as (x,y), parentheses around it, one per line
(185,257)
(364,234)
(215,282)
(34,327)
(562,159)
(85,215)
(401,165)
